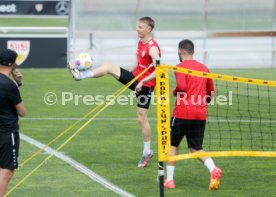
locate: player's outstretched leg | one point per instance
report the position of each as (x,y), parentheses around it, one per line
(74,71)
(105,69)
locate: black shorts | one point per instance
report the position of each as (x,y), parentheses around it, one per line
(9,147)
(144,96)
(192,129)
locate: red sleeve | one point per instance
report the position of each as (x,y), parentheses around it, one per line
(210,87)
(180,83)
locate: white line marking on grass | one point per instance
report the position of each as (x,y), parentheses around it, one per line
(210,119)
(71,118)
(92,175)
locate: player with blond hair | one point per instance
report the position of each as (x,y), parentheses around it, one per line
(148,53)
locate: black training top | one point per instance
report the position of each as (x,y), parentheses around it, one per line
(9,97)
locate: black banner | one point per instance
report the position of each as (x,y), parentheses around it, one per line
(54,7)
(38,52)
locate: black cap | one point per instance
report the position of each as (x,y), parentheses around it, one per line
(7,57)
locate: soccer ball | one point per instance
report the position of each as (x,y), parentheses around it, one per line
(83,62)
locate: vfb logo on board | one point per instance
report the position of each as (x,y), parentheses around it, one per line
(22,47)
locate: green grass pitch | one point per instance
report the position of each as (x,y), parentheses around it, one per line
(111,146)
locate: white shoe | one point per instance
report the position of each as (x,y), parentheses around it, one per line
(74,71)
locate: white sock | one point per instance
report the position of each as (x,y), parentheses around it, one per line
(146,150)
(170,172)
(86,74)
(209,163)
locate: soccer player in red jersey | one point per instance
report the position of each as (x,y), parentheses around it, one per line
(190,111)
(148,53)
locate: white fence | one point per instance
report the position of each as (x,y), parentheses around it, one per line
(227,34)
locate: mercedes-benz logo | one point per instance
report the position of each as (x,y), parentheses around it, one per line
(62,7)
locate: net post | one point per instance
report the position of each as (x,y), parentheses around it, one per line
(161,170)
(71,43)
(161,173)
(163,120)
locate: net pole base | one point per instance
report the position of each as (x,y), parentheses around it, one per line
(161,173)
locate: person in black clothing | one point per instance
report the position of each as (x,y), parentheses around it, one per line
(11,106)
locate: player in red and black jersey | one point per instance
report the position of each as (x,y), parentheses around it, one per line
(190,111)
(148,53)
